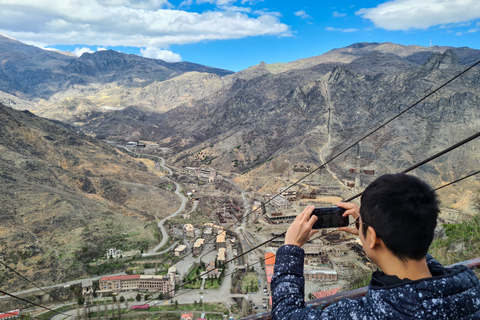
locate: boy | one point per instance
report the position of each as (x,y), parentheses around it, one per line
(396,224)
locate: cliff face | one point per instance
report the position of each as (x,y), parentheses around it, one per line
(66,198)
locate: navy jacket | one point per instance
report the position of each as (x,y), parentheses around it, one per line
(451,293)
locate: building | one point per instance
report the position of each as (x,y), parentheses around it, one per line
(202,173)
(221,240)
(14,314)
(119,283)
(172,273)
(113,253)
(278,202)
(288,193)
(181,249)
(187,316)
(198,247)
(156,284)
(189,230)
(269,265)
(210,267)
(140,307)
(325,293)
(87,287)
(137,282)
(221,255)
(322,275)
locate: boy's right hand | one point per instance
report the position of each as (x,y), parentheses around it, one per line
(351,209)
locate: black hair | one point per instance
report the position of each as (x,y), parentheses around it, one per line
(403,210)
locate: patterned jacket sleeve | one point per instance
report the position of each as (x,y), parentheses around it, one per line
(288,291)
(288,286)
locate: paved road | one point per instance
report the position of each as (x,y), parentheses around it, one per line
(161,222)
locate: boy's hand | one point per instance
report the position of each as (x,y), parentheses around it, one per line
(300,230)
(351,210)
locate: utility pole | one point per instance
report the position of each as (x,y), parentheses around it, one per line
(98,310)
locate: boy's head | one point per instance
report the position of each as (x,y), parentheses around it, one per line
(403,210)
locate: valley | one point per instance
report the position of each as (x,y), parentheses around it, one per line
(119,172)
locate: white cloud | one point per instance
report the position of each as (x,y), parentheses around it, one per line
(302,14)
(101,49)
(341,30)
(338,14)
(156,53)
(415,14)
(79,51)
(134,23)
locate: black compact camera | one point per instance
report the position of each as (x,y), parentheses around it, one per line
(329,217)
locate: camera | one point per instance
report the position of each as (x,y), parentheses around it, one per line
(329,217)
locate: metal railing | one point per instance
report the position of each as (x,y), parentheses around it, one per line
(322,303)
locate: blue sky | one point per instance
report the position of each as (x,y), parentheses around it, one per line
(236,34)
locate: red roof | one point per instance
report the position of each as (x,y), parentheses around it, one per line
(269,259)
(127,277)
(326,293)
(9,314)
(140,307)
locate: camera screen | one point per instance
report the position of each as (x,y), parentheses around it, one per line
(330,217)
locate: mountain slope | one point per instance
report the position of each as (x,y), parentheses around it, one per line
(294,114)
(66,198)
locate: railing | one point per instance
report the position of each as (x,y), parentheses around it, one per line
(325,302)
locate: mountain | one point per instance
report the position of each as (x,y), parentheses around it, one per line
(30,72)
(66,198)
(308,112)
(302,112)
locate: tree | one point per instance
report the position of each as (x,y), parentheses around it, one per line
(114,299)
(81,300)
(197,271)
(138,297)
(122,299)
(176,304)
(195,303)
(146,297)
(160,296)
(200,304)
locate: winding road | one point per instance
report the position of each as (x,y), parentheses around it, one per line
(162,222)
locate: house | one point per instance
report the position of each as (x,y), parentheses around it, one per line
(181,249)
(221,255)
(210,267)
(14,314)
(172,273)
(187,316)
(87,287)
(113,253)
(198,246)
(189,230)
(221,241)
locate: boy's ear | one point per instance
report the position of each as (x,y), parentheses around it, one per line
(373,240)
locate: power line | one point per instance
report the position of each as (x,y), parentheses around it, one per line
(18,274)
(33,303)
(361,139)
(436,155)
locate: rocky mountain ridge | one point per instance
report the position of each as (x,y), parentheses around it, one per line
(305,115)
(31,73)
